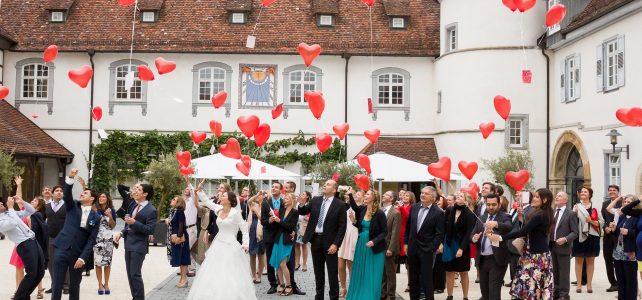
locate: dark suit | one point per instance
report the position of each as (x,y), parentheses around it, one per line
(422,244)
(334,229)
(136,238)
(271,235)
(72,243)
(609,241)
(393,226)
(492,268)
(55,220)
(626,270)
(561,254)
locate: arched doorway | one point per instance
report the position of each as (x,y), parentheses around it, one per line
(570,167)
(574,174)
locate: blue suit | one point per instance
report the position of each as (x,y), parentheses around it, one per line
(137,246)
(72,243)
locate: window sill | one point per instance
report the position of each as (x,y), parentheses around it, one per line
(203,103)
(524,147)
(570,101)
(141,103)
(288,106)
(405,109)
(49,104)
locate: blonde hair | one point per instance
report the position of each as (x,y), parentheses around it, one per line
(292,199)
(376,201)
(180,202)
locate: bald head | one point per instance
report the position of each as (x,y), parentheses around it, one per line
(561,199)
(329,188)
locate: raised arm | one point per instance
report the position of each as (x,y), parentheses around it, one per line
(18,181)
(238,219)
(29,210)
(67,191)
(209,203)
(629,211)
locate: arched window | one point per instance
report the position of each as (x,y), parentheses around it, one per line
(209,79)
(34,83)
(297,80)
(119,92)
(391,91)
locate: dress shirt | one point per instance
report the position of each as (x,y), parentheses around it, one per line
(48,200)
(557,222)
(85,214)
(142,205)
(190,210)
(326,202)
(386,209)
(482,210)
(487,249)
(423,212)
(12,226)
(276,203)
(56,205)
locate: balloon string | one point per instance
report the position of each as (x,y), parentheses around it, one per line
(521,32)
(131,47)
(371,42)
(258,20)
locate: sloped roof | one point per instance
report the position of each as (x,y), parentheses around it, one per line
(20,135)
(325,6)
(421,150)
(150,4)
(204,27)
(59,4)
(397,8)
(593,11)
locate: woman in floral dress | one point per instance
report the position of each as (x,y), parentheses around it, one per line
(104,248)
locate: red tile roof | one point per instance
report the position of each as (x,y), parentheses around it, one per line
(593,11)
(59,4)
(22,136)
(203,26)
(421,150)
(5,35)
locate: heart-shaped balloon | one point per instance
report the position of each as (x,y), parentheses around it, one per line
(524,5)
(248,124)
(164,66)
(341,130)
(555,14)
(277,110)
(184,158)
(468,168)
(82,76)
(186,170)
(242,168)
(309,53)
(364,162)
(335,176)
(372,135)
(502,106)
(510,4)
(145,73)
(472,189)
(97,113)
(441,169)
(247,161)
(231,149)
(219,99)
(126,2)
(629,116)
(362,181)
(323,141)
(486,129)
(216,127)
(266,3)
(4,92)
(517,179)
(50,53)
(34,115)
(369,3)
(198,137)
(315,102)
(262,134)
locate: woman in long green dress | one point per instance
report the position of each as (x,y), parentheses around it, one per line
(367,266)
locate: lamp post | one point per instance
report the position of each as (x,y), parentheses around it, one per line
(380,187)
(613,134)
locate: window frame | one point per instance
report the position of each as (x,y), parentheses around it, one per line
(571,69)
(63,17)
(113,84)
(403,20)
(608,62)
(449,30)
(287,84)
(19,99)
(196,94)
(405,98)
(154,16)
(617,166)
(235,14)
(524,132)
(320,22)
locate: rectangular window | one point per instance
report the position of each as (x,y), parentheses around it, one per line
(398,22)
(135,92)
(149,17)
(615,169)
(610,64)
(299,84)
(238,18)
(325,20)
(390,89)
(571,78)
(555,28)
(210,82)
(35,80)
(57,16)
(517,132)
(451,37)
(439,102)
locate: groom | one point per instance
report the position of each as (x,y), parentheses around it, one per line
(75,243)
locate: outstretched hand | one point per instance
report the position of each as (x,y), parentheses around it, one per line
(18,180)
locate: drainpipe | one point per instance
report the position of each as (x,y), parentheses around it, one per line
(345,100)
(91,54)
(542,46)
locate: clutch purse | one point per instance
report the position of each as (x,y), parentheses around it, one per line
(177,240)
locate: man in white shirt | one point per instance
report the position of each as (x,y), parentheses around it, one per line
(26,246)
(46,194)
(191,212)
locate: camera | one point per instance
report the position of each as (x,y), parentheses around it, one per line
(343,188)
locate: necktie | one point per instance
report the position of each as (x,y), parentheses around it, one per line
(322,215)
(485,239)
(136,211)
(552,231)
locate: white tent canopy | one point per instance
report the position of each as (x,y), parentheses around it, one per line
(390,168)
(218,166)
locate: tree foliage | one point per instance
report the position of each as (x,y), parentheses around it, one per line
(166,179)
(8,169)
(346,172)
(512,161)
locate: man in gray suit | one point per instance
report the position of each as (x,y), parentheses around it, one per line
(393,217)
(562,233)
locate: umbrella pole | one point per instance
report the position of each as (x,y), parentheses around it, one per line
(380,187)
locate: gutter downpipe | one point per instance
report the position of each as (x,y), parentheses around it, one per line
(91,54)
(345,100)
(542,46)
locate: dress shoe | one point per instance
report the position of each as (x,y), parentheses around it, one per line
(191,274)
(438,292)
(65,291)
(272,290)
(297,291)
(613,288)
(48,291)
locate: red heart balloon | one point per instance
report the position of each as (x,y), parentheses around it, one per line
(34,115)
(242,168)
(323,141)
(50,53)
(369,3)
(216,128)
(472,189)
(630,116)
(198,137)
(524,5)
(4,92)
(164,66)
(309,53)
(486,129)
(248,124)
(81,77)
(372,135)
(341,130)
(231,149)
(97,113)
(510,4)
(335,176)
(145,73)
(315,102)
(267,3)
(364,162)
(517,179)
(126,2)
(362,181)
(441,169)
(502,106)
(184,158)
(219,99)
(186,170)
(247,161)
(277,110)
(555,14)
(468,168)
(262,134)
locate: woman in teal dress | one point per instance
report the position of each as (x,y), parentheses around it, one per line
(367,266)
(287,219)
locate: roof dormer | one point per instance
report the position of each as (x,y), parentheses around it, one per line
(238,10)
(398,12)
(326,12)
(59,10)
(150,10)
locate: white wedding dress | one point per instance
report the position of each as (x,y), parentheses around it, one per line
(225,272)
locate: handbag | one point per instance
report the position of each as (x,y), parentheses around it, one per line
(177,240)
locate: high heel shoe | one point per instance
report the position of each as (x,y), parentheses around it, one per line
(343,293)
(41,294)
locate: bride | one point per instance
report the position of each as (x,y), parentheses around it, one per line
(225,272)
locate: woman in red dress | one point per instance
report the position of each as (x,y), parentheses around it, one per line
(408,199)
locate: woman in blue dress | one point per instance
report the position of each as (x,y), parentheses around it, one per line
(178,239)
(282,249)
(367,266)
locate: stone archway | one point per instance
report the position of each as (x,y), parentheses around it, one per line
(568,145)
